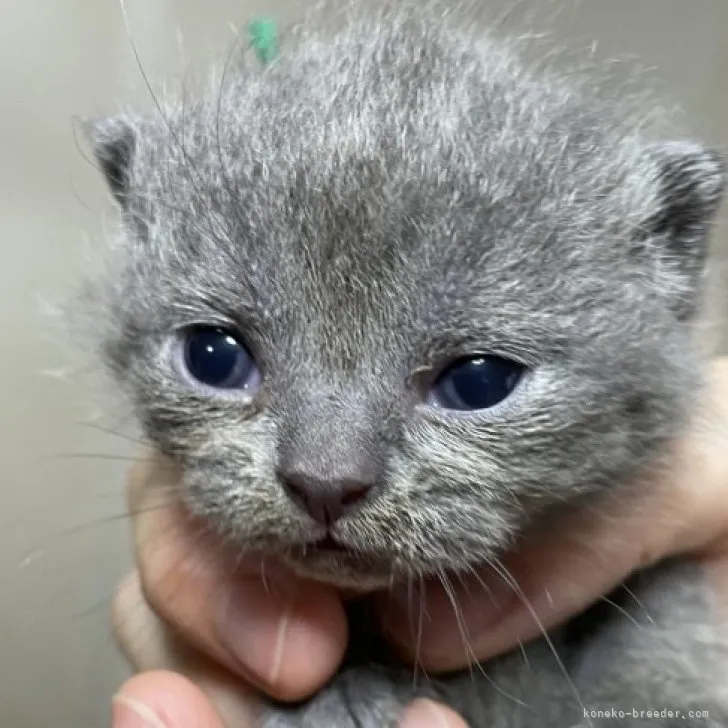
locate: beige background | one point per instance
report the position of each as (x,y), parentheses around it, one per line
(62,527)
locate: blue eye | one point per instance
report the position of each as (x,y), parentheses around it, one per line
(216,358)
(475,384)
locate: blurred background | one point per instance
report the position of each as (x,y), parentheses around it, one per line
(63,531)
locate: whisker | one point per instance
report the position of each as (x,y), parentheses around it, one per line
(473,661)
(639,603)
(447,587)
(189,217)
(421,611)
(84,527)
(524,655)
(115,433)
(94,456)
(188,164)
(485,586)
(263,576)
(503,572)
(225,177)
(622,611)
(503,692)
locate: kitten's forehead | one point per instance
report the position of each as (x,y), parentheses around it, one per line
(438,160)
(417,244)
(377,105)
(376,202)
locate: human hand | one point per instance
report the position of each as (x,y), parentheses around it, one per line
(232,628)
(293,636)
(162,699)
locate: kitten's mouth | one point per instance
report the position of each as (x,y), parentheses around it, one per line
(329,560)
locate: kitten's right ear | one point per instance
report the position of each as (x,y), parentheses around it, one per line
(113,142)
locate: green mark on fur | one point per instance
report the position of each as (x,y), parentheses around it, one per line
(263,34)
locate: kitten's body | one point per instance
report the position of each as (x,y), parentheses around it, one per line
(380,202)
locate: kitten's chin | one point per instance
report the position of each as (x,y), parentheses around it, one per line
(343,569)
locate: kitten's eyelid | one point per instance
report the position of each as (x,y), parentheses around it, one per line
(201,310)
(519,349)
(208,319)
(243,327)
(445,360)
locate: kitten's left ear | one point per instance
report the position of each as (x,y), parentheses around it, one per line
(692,180)
(113,141)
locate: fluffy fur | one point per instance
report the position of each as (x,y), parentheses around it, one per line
(382,199)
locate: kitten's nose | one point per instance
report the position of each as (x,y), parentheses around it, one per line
(326,501)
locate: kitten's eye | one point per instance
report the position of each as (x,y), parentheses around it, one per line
(475,384)
(216,358)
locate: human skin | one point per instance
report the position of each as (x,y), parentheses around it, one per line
(208,634)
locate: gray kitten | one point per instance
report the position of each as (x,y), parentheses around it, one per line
(397,298)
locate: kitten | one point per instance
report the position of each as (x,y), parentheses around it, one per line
(395,299)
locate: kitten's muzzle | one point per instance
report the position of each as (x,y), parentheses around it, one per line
(330,455)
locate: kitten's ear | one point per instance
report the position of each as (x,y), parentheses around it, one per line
(691,179)
(113,142)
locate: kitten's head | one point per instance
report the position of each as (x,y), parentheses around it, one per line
(393,297)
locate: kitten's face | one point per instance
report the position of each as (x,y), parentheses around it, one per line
(386,315)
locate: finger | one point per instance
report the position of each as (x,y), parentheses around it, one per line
(284,635)
(160,694)
(163,700)
(151,646)
(699,482)
(427,714)
(560,571)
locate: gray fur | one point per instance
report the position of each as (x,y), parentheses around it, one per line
(379,201)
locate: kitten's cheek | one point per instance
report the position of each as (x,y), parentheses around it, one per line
(577,560)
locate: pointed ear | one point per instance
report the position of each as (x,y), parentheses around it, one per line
(113,142)
(691,180)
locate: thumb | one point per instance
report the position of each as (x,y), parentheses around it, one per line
(162,700)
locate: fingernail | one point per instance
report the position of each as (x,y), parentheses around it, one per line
(426,714)
(129,713)
(445,625)
(253,626)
